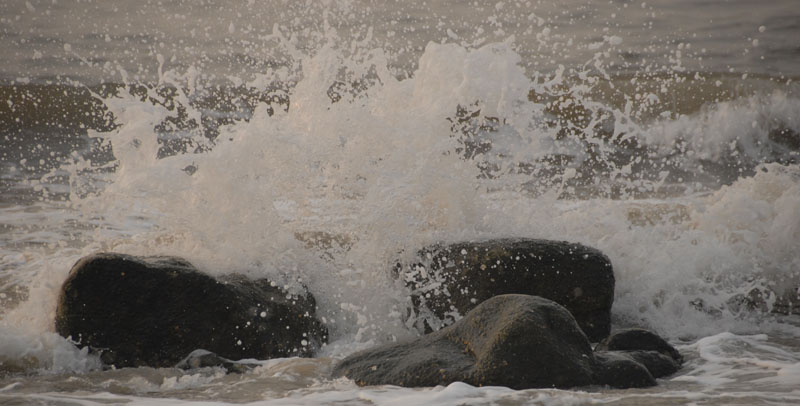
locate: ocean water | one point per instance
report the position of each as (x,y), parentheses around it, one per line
(321,142)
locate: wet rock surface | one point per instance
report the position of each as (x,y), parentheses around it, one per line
(644,347)
(619,370)
(637,339)
(658,364)
(153,311)
(451,280)
(518,341)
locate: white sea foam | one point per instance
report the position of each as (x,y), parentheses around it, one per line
(725,359)
(22,351)
(733,130)
(379,174)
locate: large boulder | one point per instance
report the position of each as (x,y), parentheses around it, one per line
(154,311)
(518,341)
(450,280)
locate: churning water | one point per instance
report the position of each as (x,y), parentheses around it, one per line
(318,143)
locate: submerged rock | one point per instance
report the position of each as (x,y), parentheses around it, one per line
(153,311)
(642,347)
(783,299)
(517,341)
(788,301)
(658,364)
(451,280)
(637,339)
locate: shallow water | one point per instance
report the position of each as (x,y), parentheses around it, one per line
(319,144)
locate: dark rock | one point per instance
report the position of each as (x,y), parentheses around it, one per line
(451,280)
(639,339)
(428,361)
(204,359)
(153,311)
(517,341)
(787,301)
(659,364)
(754,301)
(786,137)
(619,370)
(783,299)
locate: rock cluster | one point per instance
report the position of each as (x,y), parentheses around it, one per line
(518,341)
(519,313)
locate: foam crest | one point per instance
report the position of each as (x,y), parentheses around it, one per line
(342,169)
(748,130)
(725,359)
(359,156)
(25,352)
(349,169)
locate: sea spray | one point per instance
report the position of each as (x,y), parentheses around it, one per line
(322,157)
(466,148)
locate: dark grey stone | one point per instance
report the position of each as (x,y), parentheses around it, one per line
(455,278)
(153,311)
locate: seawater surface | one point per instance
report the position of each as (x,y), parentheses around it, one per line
(319,143)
